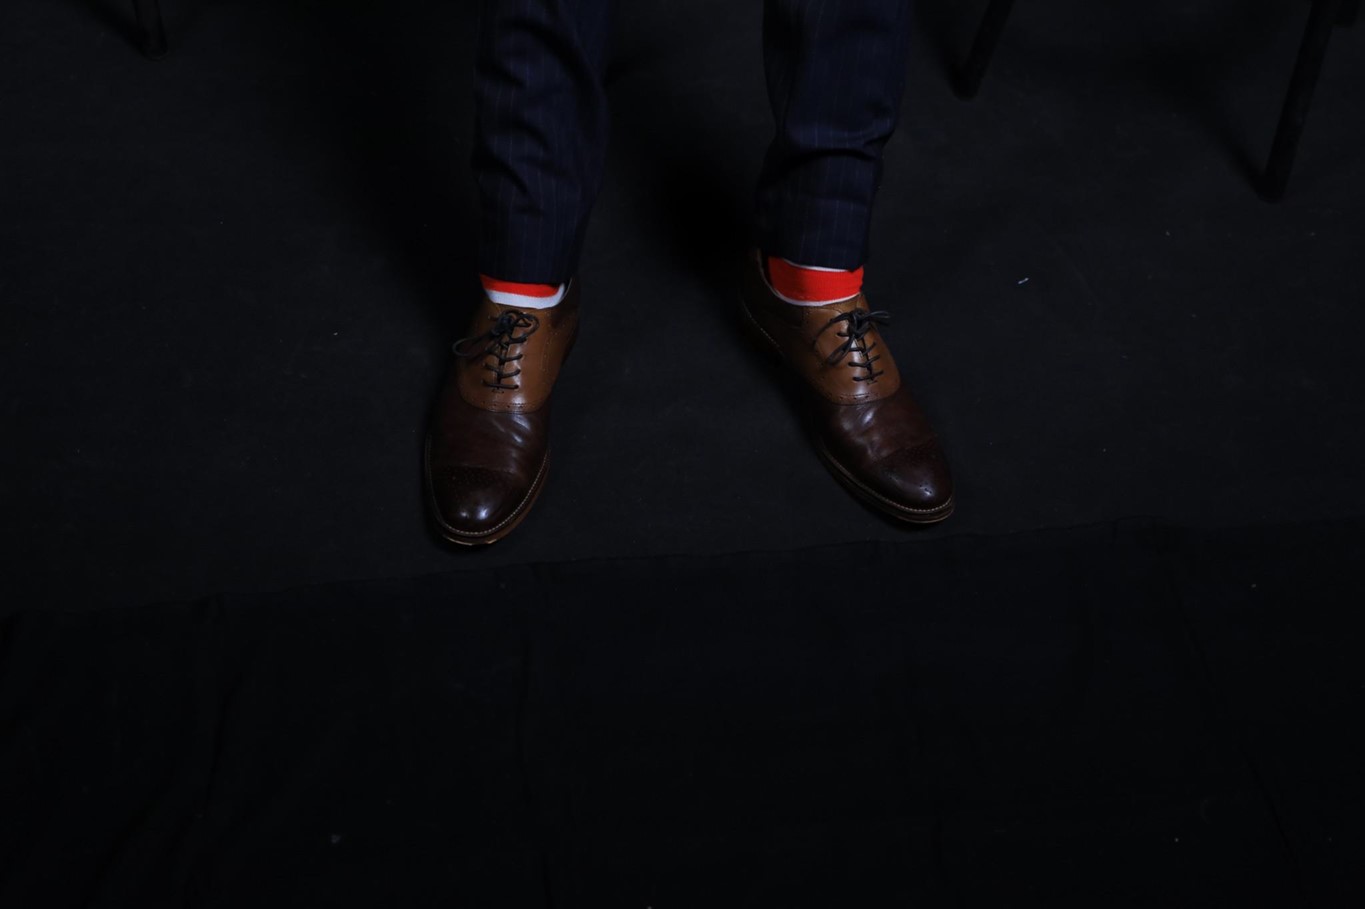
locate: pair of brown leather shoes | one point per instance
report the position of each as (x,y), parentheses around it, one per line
(487,451)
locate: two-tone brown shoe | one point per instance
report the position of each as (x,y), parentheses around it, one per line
(488,445)
(865,424)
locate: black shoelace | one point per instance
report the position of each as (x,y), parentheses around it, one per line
(511,328)
(858,322)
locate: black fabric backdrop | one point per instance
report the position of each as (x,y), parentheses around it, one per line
(1126,673)
(1126,715)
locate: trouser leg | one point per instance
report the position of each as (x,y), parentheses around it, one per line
(836,76)
(540,133)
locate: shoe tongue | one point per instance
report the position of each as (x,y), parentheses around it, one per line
(839,307)
(498,309)
(520,314)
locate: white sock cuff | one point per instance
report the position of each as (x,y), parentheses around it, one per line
(522,301)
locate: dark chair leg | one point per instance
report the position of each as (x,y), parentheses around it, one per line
(151,29)
(983,48)
(1299,99)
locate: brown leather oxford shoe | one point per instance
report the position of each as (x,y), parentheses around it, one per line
(866,426)
(487,446)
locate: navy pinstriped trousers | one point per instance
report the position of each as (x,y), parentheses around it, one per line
(835,72)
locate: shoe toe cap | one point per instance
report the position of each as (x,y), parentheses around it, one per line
(476,501)
(915,479)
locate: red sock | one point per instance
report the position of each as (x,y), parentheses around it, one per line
(808,285)
(522,296)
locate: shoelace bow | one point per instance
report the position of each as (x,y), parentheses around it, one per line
(511,328)
(859,323)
